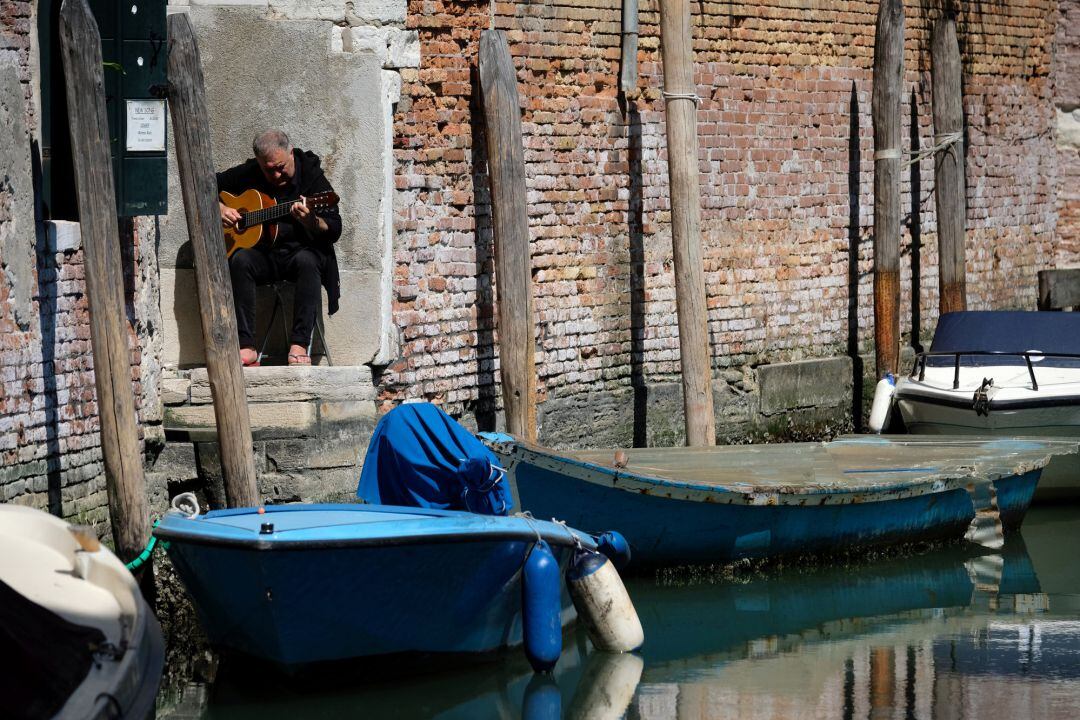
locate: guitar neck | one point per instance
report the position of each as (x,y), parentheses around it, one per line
(268,214)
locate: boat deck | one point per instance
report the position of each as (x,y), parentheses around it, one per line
(850,464)
(319,526)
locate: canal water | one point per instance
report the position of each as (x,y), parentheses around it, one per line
(937,633)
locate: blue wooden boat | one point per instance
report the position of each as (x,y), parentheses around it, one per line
(299,584)
(719,504)
(434,565)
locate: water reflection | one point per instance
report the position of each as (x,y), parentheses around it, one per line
(945,634)
(585,684)
(942,635)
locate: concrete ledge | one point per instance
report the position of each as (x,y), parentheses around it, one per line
(63,235)
(824,382)
(268,420)
(291,384)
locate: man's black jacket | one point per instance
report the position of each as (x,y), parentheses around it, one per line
(309,179)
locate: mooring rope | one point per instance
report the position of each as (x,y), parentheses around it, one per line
(682,96)
(944,140)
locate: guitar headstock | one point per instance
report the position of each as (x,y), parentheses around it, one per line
(322,201)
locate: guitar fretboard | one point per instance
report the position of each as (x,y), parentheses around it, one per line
(267,214)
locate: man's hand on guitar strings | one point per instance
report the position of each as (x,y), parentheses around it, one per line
(307,218)
(229,216)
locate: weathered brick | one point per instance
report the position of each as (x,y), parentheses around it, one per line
(777,87)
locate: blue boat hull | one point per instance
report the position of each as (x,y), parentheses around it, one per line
(711,524)
(299,601)
(668,531)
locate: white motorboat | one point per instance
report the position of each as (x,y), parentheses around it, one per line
(79,641)
(1010,373)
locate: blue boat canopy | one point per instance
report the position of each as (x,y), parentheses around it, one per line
(1007,332)
(421,457)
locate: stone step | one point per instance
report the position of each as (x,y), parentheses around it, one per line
(284,384)
(268,420)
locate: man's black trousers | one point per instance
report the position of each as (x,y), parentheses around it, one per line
(251,267)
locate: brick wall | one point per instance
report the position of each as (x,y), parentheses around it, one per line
(50,446)
(50,453)
(783,254)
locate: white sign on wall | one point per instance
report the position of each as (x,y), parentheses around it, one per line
(145,125)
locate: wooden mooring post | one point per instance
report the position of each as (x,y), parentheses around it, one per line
(680,96)
(510,221)
(84,79)
(191,129)
(949,182)
(886,113)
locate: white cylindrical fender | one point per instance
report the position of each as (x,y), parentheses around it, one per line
(602,603)
(883,395)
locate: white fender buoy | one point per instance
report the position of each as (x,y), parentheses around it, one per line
(602,603)
(883,395)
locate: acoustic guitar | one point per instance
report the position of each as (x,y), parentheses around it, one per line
(256,209)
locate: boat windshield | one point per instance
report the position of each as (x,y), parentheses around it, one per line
(999,338)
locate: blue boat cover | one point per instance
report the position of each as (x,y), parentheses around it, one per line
(1007,332)
(421,457)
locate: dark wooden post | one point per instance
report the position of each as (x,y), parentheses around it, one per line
(191,129)
(886,113)
(949,183)
(83,77)
(676,42)
(510,222)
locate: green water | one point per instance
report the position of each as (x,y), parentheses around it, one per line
(938,634)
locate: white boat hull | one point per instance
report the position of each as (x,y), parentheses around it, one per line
(64,572)
(932,407)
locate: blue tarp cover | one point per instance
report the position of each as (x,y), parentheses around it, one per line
(1007,332)
(421,457)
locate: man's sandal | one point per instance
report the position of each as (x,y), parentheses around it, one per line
(299,359)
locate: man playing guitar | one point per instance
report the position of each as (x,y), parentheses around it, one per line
(301,250)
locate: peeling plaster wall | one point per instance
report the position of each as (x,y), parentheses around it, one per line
(1066,75)
(16,197)
(325,72)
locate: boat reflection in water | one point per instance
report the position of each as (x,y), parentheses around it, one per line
(585,684)
(942,635)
